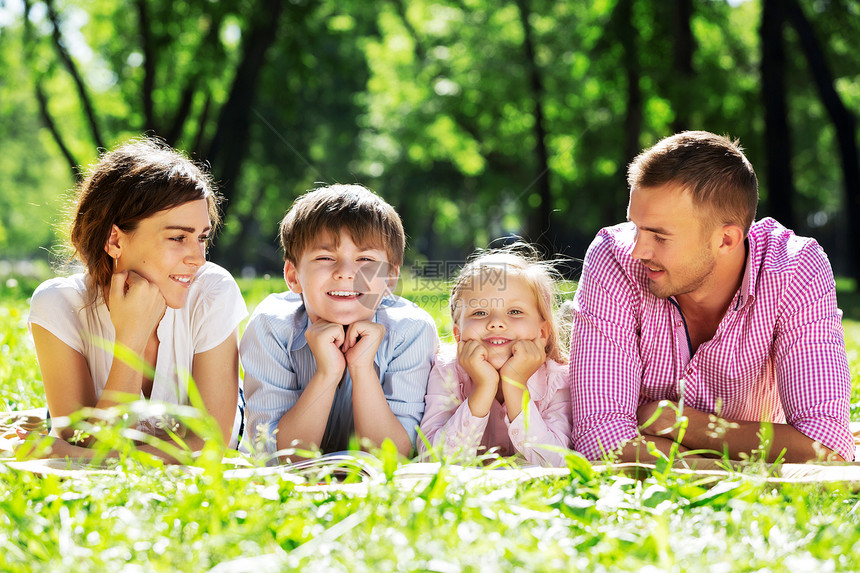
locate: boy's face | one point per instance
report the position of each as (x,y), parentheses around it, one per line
(341,283)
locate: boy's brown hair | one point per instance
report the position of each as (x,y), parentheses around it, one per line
(712,168)
(369,220)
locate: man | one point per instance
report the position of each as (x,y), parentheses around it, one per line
(691,313)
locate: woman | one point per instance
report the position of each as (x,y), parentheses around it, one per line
(143,218)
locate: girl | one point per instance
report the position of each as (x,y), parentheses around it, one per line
(141,224)
(507,387)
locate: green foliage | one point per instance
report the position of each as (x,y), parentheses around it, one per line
(430,103)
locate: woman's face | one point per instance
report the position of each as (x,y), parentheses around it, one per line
(166,249)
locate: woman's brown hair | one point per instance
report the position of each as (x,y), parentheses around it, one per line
(128,184)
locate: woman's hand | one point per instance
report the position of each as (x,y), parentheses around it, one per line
(136,307)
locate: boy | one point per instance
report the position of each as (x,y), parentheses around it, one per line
(338,354)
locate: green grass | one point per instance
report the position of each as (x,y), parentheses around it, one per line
(154,518)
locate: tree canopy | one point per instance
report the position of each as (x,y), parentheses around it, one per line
(475,119)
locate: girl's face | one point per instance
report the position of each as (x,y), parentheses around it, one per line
(499,312)
(166,249)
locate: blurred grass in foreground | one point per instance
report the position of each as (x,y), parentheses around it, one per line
(147,517)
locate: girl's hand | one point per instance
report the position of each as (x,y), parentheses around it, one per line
(362,341)
(473,357)
(526,357)
(325,340)
(136,307)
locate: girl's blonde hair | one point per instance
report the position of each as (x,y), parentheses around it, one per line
(491,267)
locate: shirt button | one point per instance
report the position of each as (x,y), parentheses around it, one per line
(678,323)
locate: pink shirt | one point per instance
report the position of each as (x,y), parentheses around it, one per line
(449,421)
(778,354)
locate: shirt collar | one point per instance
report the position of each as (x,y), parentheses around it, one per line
(747,291)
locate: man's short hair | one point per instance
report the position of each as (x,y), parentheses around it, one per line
(712,168)
(369,220)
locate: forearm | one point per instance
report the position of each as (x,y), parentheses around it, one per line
(481,399)
(513,394)
(637,449)
(542,433)
(373,417)
(736,439)
(304,424)
(124,380)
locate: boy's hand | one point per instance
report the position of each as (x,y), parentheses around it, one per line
(136,307)
(325,340)
(361,343)
(526,358)
(473,357)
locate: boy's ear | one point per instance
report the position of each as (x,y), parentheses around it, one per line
(391,281)
(113,246)
(291,277)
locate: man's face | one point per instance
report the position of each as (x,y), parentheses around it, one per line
(671,241)
(341,282)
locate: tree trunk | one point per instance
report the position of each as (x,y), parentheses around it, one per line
(229,145)
(843,121)
(71,67)
(682,62)
(777,136)
(628,35)
(539,227)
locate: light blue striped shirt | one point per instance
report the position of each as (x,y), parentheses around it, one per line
(279,364)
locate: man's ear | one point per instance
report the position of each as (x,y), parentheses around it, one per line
(113,245)
(291,277)
(732,237)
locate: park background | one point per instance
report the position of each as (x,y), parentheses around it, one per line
(475,119)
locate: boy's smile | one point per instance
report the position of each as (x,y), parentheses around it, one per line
(341,282)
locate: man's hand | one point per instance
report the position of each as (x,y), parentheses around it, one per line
(325,340)
(361,342)
(658,419)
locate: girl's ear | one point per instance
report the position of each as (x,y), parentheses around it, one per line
(291,277)
(113,246)
(456,333)
(544,332)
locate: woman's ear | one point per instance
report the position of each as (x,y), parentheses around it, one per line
(113,246)
(291,277)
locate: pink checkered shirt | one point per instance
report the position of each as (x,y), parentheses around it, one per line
(778,354)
